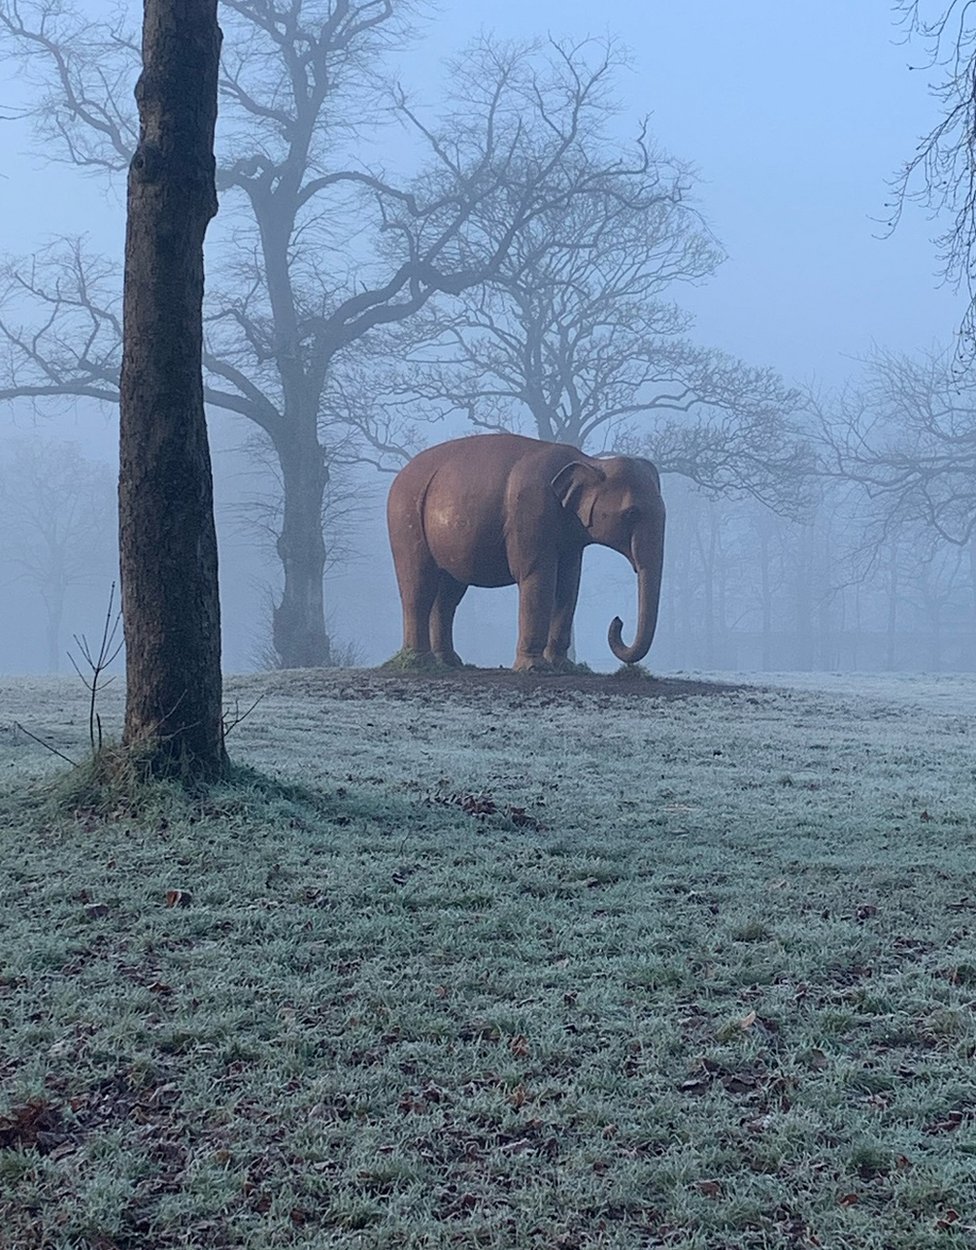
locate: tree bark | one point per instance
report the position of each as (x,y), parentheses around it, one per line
(168,548)
(299,633)
(891,630)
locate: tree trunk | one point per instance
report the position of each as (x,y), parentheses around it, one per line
(766,599)
(935,616)
(54,611)
(168,547)
(803,660)
(299,633)
(891,630)
(971,648)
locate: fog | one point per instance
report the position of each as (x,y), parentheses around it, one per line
(795,119)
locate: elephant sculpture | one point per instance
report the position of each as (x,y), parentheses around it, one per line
(498,509)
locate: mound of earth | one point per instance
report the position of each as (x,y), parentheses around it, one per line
(479,683)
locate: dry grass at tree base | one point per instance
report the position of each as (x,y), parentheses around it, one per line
(500,964)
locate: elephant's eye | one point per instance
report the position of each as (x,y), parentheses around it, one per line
(631,514)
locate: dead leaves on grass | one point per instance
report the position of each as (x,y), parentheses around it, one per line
(949,1125)
(772,1087)
(34,1125)
(483,805)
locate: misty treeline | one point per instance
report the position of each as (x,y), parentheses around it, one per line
(384,274)
(58,546)
(872,568)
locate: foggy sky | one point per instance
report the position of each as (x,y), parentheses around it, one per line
(795,116)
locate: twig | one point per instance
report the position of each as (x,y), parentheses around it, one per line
(108,650)
(239,716)
(47,746)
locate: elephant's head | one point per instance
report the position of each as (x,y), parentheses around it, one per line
(618,503)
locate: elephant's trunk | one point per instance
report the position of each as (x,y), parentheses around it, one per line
(647,557)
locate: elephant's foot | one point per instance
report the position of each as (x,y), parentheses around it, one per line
(532,664)
(450,659)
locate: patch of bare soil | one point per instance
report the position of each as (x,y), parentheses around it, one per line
(478,684)
(589,683)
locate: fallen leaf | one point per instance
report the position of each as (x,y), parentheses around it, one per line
(747,1021)
(164,1095)
(694,1086)
(739,1083)
(925,816)
(847,1200)
(519,1046)
(178,898)
(948,1125)
(94,910)
(519,1096)
(523,820)
(34,1124)
(710,1189)
(947,1220)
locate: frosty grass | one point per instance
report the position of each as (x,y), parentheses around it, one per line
(505,968)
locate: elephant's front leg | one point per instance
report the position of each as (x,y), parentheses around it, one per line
(564,608)
(536,596)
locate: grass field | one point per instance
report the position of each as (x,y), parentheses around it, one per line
(476,964)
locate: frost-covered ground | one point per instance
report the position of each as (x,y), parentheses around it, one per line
(513,965)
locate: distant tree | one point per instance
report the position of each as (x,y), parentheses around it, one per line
(906,436)
(57,527)
(167,541)
(576,338)
(320,251)
(941,173)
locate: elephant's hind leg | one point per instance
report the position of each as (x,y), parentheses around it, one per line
(450,592)
(417,576)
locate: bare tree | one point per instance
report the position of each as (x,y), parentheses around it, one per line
(319,250)
(941,172)
(167,541)
(906,436)
(577,339)
(57,526)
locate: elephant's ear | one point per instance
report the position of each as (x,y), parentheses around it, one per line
(571,485)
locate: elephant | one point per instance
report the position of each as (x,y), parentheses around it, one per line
(503,509)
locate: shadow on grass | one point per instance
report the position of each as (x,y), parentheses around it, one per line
(103,791)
